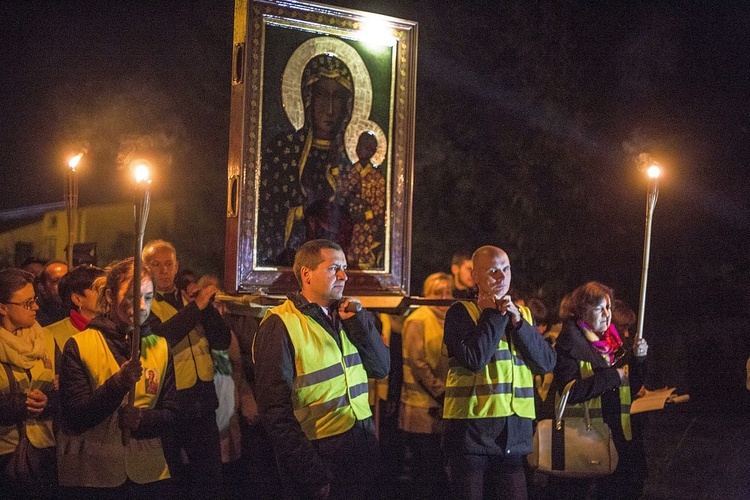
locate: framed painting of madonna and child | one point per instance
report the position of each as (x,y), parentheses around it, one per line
(321,144)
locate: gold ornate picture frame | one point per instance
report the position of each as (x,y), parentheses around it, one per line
(321,144)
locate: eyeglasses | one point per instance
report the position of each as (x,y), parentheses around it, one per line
(29,304)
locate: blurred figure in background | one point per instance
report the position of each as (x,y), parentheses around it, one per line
(425,369)
(51,308)
(33,265)
(463,282)
(236,400)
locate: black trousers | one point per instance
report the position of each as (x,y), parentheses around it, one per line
(487,477)
(201,477)
(429,480)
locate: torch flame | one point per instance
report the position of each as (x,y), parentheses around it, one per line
(73,163)
(653,171)
(141,173)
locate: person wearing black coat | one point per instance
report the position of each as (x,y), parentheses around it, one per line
(588,337)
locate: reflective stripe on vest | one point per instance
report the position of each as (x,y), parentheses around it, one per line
(192,354)
(504,387)
(413,392)
(329,393)
(97,458)
(595,404)
(38,430)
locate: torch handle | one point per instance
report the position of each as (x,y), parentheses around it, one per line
(141,213)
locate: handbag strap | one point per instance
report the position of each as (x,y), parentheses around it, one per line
(13,386)
(560,410)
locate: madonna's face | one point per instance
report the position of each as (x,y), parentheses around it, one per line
(329,102)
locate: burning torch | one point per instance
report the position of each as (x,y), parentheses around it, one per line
(141,204)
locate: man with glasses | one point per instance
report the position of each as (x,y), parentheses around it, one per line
(51,308)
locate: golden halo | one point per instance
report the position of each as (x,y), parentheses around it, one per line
(291,89)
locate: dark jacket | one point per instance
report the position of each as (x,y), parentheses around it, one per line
(199,400)
(572,347)
(84,408)
(307,466)
(472,346)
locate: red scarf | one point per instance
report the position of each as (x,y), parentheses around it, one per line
(78,320)
(608,343)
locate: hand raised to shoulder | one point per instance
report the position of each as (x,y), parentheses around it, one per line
(202,296)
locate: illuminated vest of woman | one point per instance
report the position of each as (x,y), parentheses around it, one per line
(192,354)
(38,430)
(330,387)
(97,458)
(413,392)
(62,331)
(595,404)
(503,388)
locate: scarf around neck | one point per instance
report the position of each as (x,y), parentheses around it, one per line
(78,320)
(24,348)
(607,344)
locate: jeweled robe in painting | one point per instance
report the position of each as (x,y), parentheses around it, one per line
(297,197)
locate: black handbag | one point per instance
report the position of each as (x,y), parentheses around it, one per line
(30,468)
(573,447)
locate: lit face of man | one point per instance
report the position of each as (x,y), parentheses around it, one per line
(52,277)
(325,283)
(462,275)
(121,306)
(14,313)
(162,262)
(329,101)
(491,272)
(598,316)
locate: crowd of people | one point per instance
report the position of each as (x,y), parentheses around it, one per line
(462,383)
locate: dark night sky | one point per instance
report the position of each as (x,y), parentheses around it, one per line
(670,77)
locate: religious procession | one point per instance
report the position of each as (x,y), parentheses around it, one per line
(343,352)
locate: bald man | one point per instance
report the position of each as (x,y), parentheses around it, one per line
(494,351)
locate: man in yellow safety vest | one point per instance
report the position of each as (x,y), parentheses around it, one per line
(192,328)
(313,356)
(493,348)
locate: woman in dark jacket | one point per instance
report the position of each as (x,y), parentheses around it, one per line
(96,374)
(591,352)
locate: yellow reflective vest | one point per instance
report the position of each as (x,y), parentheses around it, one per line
(330,387)
(192,354)
(42,377)
(504,387)
(413,393)
(97,458)
(62,331)
(595,404)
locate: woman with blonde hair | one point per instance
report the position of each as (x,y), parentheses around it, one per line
(425,369)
